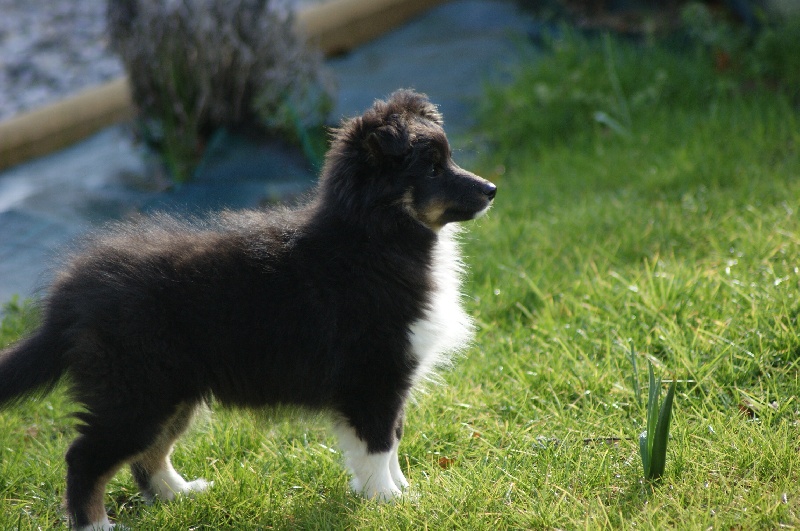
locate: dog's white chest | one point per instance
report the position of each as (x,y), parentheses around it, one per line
(445,328)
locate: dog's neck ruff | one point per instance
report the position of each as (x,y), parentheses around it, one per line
(444,329)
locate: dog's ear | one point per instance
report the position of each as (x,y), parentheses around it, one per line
(415,103)
(387,142)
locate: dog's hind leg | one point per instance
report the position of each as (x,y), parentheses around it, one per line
(153,470)
(104,445)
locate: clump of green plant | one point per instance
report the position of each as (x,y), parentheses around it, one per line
(196,67)
(653,440)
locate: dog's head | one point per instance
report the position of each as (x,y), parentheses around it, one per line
(395,160)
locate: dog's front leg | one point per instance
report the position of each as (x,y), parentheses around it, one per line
(394,462)
(371,455)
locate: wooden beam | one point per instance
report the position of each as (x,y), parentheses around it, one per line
(338,26)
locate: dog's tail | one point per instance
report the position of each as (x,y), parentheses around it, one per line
(33,365)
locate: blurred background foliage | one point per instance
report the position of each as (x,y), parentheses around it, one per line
(582,81)
(198,66)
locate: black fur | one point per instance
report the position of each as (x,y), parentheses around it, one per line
(308,307)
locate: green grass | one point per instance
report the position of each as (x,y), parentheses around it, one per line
(645,201)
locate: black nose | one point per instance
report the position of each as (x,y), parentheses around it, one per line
(490,190)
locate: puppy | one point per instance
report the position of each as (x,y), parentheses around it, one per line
(341,305)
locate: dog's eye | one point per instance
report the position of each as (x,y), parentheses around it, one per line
(435,169)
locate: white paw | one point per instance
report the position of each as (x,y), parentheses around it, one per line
(399,480)
(397,473)
(374,478)
(167,484)
(102,525)
(198,485)
(375,475)
(381,491)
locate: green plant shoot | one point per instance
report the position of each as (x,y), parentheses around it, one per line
(653,441)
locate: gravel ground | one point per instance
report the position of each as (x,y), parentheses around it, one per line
(49,49)
(52,48)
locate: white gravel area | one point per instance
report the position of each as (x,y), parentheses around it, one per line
(50,49)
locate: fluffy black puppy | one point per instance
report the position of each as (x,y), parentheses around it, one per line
(341,305)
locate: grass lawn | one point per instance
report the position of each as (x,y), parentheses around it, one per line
(648,204)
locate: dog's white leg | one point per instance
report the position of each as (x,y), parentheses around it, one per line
(102,525)
(153,469)
(166,483)
(395,470)
(372,472)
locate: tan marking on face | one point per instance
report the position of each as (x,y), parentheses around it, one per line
(430,215)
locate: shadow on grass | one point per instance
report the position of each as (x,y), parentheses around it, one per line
(632,499)
(329,512)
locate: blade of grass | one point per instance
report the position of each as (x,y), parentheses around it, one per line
(637,387)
